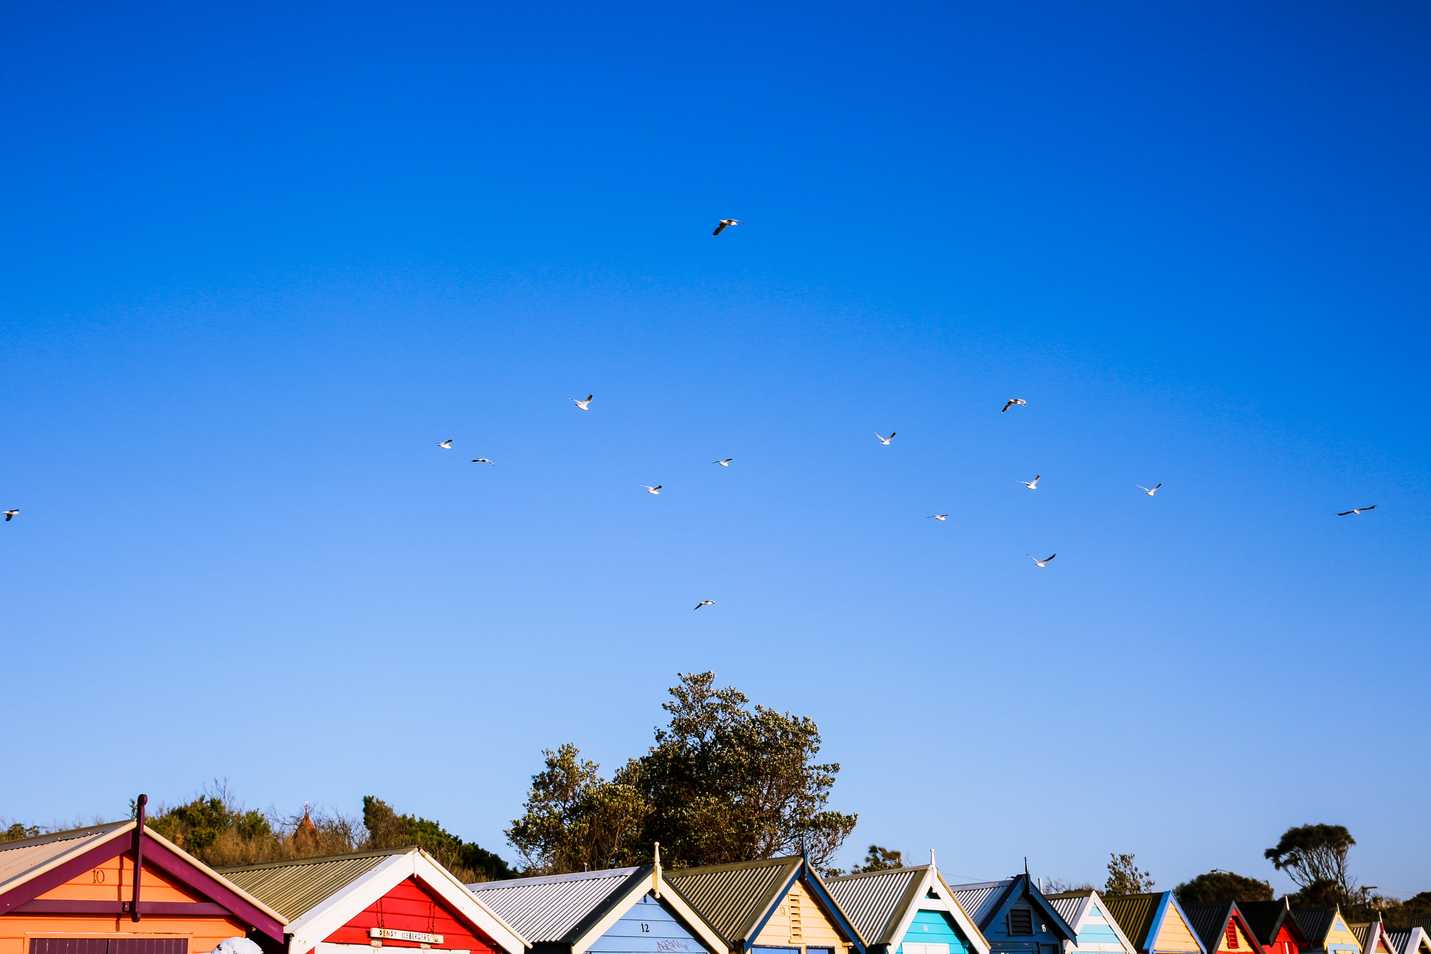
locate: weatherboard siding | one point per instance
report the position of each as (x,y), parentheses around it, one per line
(799,921)
(1095,933)
(1001,941)
(1244,944)
(934,927)
(1174,934)
(648,927)
(411,906)
(1340,939)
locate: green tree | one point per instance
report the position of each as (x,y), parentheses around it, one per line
(878,858)
(17,831)
(724,781)
(1220,887)
(468,860)
(1315,856)
(1124,875)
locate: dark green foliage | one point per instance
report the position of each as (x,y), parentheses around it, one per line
(17,832)
(468,860)
(1124,875)
(724,781)
(1220,887)
(1315,858)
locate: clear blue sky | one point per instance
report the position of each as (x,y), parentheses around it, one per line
(254,265)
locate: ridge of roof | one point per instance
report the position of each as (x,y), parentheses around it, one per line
(68,834)
(554,878)
(733,866)
(904,869)
(320,859)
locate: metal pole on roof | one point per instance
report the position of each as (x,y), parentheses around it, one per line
(139,805)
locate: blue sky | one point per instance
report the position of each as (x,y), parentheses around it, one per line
(256,264)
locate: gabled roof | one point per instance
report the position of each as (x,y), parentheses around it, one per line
(984,899)
(737,899)
(1370,934)
(32,866)
(1141,915)
(320,895)
(546,909)
(1409,942)
(1209,921)
(1316,923)
(1073,905)
(881,904)
(24,859)
(571,912)
(1266,918)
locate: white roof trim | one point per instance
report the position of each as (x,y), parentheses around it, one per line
(637,891)
(948,903)
(320,921)
(1111,921)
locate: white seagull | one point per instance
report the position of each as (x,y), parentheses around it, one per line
(653,489)
(445,445)
(11,514)
(884,440)
(583,405)
(1153,490)
(704,603)
(941,517)
(1353,512)
(724,461)
(1041,563)
(1014,402)
(1032,484)
(481,460)
(724,224)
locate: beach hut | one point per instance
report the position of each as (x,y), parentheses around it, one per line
(1154,922)
(375,901)
(1326,931)
(1015,916)
(777,906)
(121,888)
(1222,928)
(907,911)
(1414,941)
(1371,935)
(1087,912)
(612,911)
(1273,926)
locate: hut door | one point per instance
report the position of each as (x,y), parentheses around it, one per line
(109,945)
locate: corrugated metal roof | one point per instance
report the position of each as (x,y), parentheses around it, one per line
(19,860)
(1134,914)
(732,898)
(546,909)
(293,888)
(1264,917)
(1409,942)
(1362,933)
(1070,904)
(980,899)
(1208,921)
(875,901)
(1315,922)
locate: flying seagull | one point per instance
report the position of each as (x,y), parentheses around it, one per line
(1153,490)
(11,514)
(941,517)
(1042,563)
(584,405)
(724,461)
(884,440)
(445,445)
(653,489)
(1353,512)
(481,460)
(1014,402)
(724,224)
(704,603)
(1032,484)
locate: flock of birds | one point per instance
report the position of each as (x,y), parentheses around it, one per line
(885,440)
